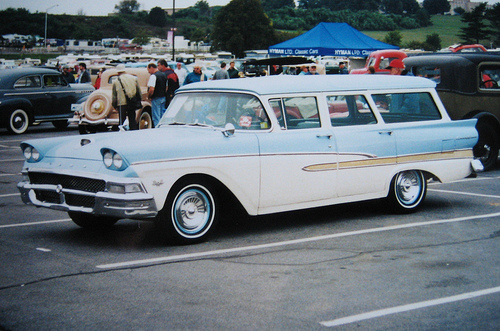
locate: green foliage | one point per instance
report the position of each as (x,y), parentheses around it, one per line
(242,25)
(436,6)
(127,6)
(493,15)
(476,29)
(432,42)
(157,17)
(142,38)
(394,38)
(277,4)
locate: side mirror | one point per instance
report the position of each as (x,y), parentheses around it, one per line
(228,130)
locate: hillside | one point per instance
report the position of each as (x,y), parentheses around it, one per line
(447,27)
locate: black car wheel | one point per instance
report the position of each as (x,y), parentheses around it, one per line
(486,148)
(19,121)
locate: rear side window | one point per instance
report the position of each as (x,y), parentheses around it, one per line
(407,107)
(53,81)
(431,72)
(28,81)
(489,77)
(348,110)
(296,113)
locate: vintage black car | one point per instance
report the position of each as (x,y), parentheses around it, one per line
(468,84)
(34,95)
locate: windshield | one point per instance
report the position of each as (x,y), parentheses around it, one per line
(217,109)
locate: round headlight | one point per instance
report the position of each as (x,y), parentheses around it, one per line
(117,161)
(27,152)
(108,159)
(35,154)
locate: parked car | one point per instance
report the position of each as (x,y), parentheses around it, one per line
(468,84)
(473,48)
(34,95)
(270,144)
(380,60)
(97,113)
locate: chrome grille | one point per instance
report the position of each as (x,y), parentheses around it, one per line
(68,182)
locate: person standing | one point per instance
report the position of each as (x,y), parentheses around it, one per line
(125,88)
(157,92)
(195,76)
(342,69)
(84,77)
(172,80)
(181,73)
(67,74)
(222,72)
(232,71)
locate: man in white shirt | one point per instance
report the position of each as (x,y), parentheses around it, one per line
(181,73)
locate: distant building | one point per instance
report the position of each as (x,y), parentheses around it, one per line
(467,5)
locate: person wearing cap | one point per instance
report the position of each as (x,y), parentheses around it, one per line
(396,67)
(403,102)
(67,74)
(312,70)
(195,76)
(342,69)
(125,88)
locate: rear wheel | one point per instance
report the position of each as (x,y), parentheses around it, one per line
(407,191)
(19,121)
(145,121)
(92,222)
(487,146)
(190,212)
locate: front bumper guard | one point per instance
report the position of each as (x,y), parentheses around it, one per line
(129,205)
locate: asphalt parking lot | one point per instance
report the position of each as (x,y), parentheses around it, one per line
(352,266)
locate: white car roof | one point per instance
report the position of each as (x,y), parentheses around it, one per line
(312,83)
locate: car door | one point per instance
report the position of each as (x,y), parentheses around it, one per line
(29,88)
(59,96)
(366,149)
(298,161)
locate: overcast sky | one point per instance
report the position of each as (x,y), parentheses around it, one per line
(104,7)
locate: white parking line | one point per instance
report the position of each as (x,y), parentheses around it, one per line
(286,243)
(34,223)
(9,195)
(1,175)
(405,308)
(466,193)
(11,160)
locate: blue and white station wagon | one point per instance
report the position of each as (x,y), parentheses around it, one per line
(269,144)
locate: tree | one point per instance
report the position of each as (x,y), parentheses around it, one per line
(127,6)
(142,38)
(157,17)
(493,15)
(476,29)
(277,4)
(432,42)
(242,25)
(437,6)
(393,38)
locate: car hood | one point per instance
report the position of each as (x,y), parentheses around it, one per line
(172,142)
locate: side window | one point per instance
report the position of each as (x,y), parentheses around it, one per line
(28,81)
(348,110)
(489,77)
(407,107)
(431,72)
(53,81)
(296,113)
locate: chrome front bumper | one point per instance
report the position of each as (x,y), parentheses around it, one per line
(129,205)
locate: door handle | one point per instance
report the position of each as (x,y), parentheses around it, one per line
(329,136)
(388,132)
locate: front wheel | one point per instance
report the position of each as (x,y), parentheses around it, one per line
(19,121)
(145,121)
(92,222)
(407,191)
(60,125)
(190,213)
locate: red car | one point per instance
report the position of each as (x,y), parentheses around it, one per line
(380,60)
